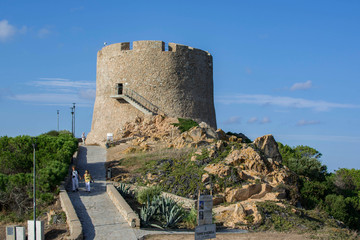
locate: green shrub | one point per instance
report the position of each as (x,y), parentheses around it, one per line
(245,139)
(148,194)
(185,124)
(53,156)
(312,193)
(53,133)
(249,219)
(283,219)
(345,209)
(183,178)
(304,161)
(190,219)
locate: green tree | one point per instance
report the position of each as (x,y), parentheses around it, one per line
(304,161)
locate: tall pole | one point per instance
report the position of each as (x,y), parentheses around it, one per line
(72,121)
(74,118)
(58,120)
(34,187)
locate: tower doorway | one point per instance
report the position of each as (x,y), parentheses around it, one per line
(120,88)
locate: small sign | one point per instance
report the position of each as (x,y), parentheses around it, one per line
(205,209)
(109,137)
(205,232)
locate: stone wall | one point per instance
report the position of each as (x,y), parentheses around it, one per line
(178,81)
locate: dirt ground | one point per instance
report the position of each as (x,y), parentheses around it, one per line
(56,231)
(234,236)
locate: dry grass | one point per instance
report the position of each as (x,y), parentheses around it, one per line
(131,164)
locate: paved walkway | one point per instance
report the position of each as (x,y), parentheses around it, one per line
(98,215)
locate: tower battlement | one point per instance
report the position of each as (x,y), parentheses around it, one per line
(151,46)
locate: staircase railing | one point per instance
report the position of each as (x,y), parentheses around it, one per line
(140,100)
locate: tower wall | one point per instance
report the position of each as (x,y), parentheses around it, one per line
(178,81)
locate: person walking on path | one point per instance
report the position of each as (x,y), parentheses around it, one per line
(88,179)
(75,179)
(83,138)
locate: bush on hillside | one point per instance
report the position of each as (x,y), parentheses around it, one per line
(304,161)
(147,194)
(185,124)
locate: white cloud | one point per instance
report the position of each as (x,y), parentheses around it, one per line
(325,138)
(233,120)
(301,86)
(23,30)
(51,99)
(63,83)
(87,94)
(59,91)
(55,79)
(43,32)
(6,30)
(307,122)
(265,120)
(252,120)
(290,102)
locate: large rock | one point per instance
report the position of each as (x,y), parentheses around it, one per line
(236,215)
(218,169)
(241,194)
(269,147)
(210,132)
(221,135)
(265,188)
(249,158)
(196,134)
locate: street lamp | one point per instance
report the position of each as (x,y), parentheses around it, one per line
(58,120)
(34,187)
(72,120)
(74,117)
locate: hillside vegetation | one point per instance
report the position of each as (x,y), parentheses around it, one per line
(336,193)
(53,156)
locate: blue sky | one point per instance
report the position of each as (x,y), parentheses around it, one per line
(287,68)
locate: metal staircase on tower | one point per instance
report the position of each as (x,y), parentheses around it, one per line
(135,100)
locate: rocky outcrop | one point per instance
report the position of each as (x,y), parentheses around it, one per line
(269,147)
(249,158)
(238,215)
(236,170)
(243,193)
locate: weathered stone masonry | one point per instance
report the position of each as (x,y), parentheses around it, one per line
(178,81)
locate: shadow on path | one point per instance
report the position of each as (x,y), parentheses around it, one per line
(85,219)
(88,227)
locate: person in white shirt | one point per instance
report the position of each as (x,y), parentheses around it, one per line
(83,138)
(75,179)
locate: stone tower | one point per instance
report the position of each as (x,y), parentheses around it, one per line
(148,80)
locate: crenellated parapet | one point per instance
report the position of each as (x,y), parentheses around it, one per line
(151,46)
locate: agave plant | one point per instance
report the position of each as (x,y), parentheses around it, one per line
(171,212)
(147,213)
(123,190)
